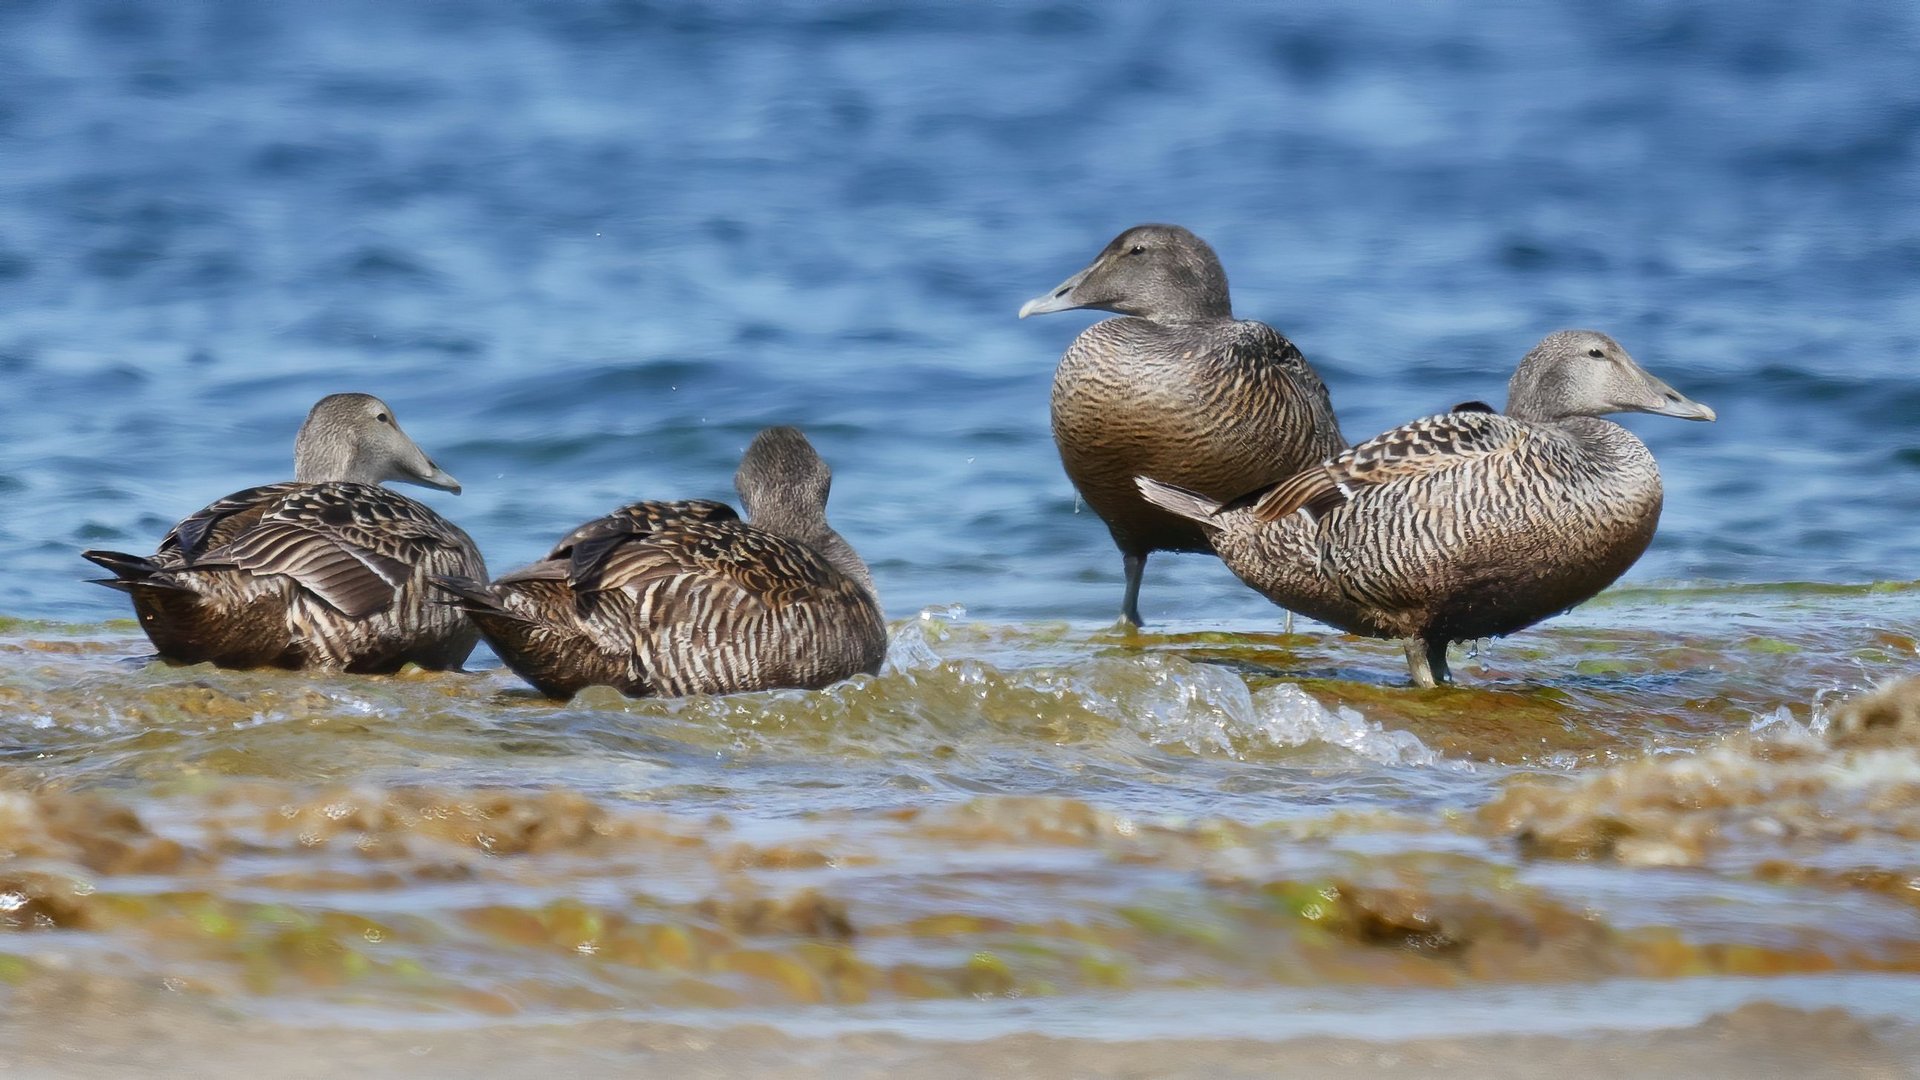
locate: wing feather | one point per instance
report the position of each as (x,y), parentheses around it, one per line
(351,545)
(729,564)
(586,548)
(352,580)
(1425,446)
(767,568)
(222,520)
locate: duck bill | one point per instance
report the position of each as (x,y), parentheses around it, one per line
(415,467)
(421,470)
(1059,299)
(436,477)
(1664,400)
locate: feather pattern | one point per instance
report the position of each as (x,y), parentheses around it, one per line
(1501,524)
(709,606)
(222,520)
(1432,444)
(676,598)
(1217,408)
(1466,525)
(328,576)
(1176,389)
(586,548)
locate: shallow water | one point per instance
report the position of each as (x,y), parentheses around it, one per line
(587,250)
(1012,829)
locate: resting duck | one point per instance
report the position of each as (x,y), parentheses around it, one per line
(326,571)
(1466,525)
(1176,389)
(677,598)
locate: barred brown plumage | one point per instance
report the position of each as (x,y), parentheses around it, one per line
(1176,389)
(587,546)
(326,571)
(676,598)
(1466,525)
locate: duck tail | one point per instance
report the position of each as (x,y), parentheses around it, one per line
(466,592)
(125,567)
(1177,500)
(133,573)
(470,596)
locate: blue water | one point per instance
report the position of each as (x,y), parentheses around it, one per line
(587,249)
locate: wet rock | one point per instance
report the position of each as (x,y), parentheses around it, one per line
(87,830)
(1888,716)
(1499,933)
(806,913)
(503,823)
(37,901)
(778,857)
(1783,806)
(1030,819)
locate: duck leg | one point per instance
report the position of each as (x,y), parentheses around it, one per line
(1136,564)
(1427,662)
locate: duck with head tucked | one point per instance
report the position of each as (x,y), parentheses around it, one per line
(1178,389)
(677,598)
(1466,525)
(326,571)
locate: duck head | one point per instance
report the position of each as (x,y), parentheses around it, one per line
(1158,272)
(1587,373)
(353,438)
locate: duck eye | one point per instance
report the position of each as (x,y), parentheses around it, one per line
(383,418)
(1138,249)
(1595,353)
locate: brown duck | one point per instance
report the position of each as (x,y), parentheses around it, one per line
(326,571)
(1465,525)
(676,598)
(1176,389)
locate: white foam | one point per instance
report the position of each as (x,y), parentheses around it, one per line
(1292,717)
(911,645)
(1208,708)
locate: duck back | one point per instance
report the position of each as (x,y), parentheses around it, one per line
(327,576)
(678,598)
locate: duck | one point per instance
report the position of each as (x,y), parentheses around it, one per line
(1176,388)
(676,598)
(1465,525)
(324,572)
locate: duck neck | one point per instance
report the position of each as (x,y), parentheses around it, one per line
(844,559)
(812,530)
(1188,310)
(324,457)
(1602,435)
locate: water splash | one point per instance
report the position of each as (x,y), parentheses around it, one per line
(1209,709)
(1292,717)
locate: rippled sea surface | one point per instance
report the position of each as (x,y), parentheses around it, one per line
(586,250)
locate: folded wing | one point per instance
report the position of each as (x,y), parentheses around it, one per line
(351,545)
(1423,447)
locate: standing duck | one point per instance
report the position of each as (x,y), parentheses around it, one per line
(676,598)
(1177,389)
(1465,525)
(326,571)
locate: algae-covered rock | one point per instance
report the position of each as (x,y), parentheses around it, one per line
(1785,805)
(1888,716)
